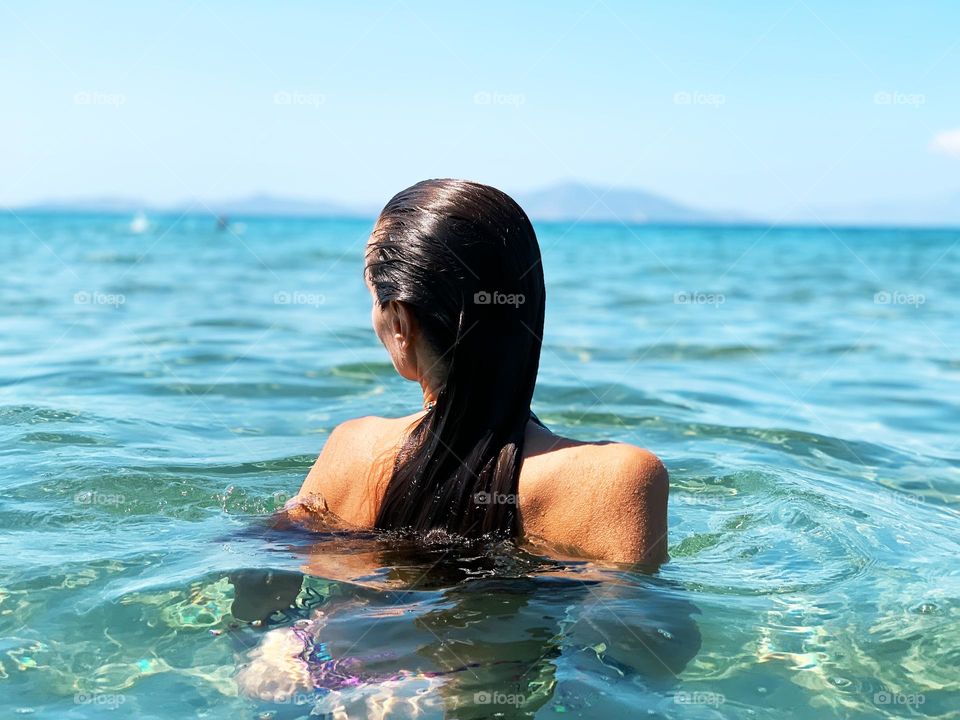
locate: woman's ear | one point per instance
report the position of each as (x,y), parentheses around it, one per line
(403,325)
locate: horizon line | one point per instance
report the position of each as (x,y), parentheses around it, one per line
(363,217)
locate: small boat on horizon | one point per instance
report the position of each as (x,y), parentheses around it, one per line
(139,224)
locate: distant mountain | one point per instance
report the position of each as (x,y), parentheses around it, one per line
(579,201)
(253,206)
(567,201)
(564,201)
(119,205)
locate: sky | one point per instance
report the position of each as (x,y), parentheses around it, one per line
(755,107)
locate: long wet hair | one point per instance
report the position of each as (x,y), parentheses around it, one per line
(464,258)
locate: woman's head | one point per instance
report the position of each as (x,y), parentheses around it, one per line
(454,269)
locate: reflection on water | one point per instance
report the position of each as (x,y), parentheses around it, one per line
(467,630)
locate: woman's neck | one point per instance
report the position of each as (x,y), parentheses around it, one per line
(429,393)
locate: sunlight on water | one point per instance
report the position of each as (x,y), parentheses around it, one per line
(166,386)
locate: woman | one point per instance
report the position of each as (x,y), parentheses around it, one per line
(458,302)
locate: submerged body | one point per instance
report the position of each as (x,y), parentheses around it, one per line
(600,500)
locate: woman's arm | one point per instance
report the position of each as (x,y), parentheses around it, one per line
(638,509)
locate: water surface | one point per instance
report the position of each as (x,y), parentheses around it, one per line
(162,391)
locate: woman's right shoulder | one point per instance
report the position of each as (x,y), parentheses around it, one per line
(607,500)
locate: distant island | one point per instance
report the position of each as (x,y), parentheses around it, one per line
(593,203)
(252,206)
(568,201)
(564,202)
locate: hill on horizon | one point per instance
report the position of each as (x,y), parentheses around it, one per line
(569,201)
(562,201)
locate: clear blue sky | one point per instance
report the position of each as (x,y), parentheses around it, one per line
(353,101)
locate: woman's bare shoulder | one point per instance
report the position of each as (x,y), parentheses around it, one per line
(369,434)
(617,462)
(604,500)
(600,500)
(350,471)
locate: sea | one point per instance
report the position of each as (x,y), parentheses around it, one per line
(165,385)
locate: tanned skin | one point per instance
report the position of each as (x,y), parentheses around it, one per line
(606,501)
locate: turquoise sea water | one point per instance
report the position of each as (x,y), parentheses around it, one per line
(164,387)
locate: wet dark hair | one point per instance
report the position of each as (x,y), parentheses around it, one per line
(464,258)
